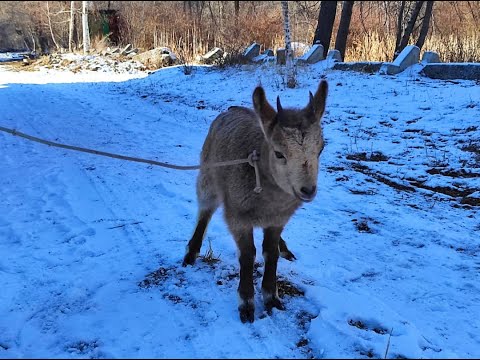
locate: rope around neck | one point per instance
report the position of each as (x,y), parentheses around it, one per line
(252,159)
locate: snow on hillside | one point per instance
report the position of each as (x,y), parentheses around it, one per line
(387,253)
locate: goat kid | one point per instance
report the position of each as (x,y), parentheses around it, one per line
(289,142)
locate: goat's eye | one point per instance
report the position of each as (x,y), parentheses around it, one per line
(279,155)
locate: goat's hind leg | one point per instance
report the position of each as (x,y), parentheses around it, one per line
(195,243)
(208,203)
(284,251)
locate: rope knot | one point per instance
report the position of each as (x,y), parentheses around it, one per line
(253,159)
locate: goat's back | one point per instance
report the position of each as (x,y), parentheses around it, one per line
(234,134)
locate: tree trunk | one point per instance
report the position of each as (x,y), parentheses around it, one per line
(425,25)
(86,34)
(343,28)
(399,27)
(237,11)
(237,8)
(70,28)
(326,18)
(76,35)
(290,70)
(50,27)
(409,28)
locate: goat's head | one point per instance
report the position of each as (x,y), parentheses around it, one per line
(295,141)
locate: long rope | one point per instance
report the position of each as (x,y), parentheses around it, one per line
(252,158)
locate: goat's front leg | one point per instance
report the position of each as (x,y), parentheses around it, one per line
(270,254)
(246,247)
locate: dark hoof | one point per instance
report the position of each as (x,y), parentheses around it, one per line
(247,313)
(274,303)
(189,259)
(287,254)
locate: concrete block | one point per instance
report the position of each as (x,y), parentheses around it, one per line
(334,55)
(281,56)
(430,57)
(448,71)
(269,52)
(408,57)
(252,51)
(312,56)
(126,49)
(214,54)
(262,58)
(366,67)
(389,69)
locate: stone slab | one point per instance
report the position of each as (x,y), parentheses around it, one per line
(312,56)
(252,51)
(450,71)
(366,67)
(334,55)
(430,57)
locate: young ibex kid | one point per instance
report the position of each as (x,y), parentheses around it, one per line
(289,143)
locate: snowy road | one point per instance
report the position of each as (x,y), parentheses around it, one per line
(91,247)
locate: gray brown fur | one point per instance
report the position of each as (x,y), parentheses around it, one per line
(295,134)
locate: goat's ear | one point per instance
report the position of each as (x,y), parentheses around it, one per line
(264,110)
(317,102)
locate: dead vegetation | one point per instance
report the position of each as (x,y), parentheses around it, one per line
(458,193)
(155,278)
(473,147)
(364,156)
(453,192)
(210,258)
(381,178)
(362,226)
(197,27)
(96,62)
(285,287)
(461,173)
(359,324)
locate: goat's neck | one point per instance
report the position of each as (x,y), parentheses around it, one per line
(264,163)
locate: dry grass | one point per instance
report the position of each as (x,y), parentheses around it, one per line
(191,34)
(194,31)
(370,47)
(99,43)
(209,257)
(456,47)
(451,48)
(388,344)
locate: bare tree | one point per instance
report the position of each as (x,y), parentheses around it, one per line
(71,25)
(409,28)
(425,24)
(237,8)
(50,26)
(326,18)
(290,70)
(399,25)
(86,34)
(344,27)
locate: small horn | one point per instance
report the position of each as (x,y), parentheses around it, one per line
(311,104)
(279,106)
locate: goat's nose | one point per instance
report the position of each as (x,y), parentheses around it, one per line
(308,191)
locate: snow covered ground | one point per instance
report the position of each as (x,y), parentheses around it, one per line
(91,247)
